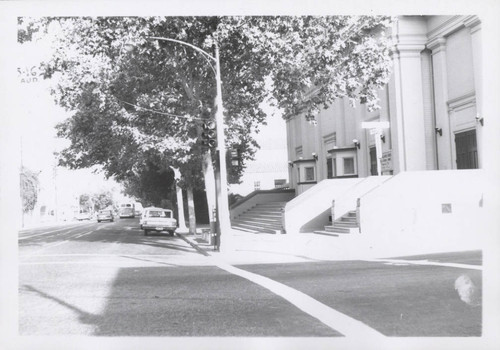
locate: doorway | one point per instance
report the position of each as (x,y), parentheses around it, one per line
(466,147)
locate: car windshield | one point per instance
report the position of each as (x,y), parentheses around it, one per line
(159,214)
(105,212)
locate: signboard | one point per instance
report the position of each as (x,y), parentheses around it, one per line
(375,125)
(386,161)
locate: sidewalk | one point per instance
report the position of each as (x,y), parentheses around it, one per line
(241,247)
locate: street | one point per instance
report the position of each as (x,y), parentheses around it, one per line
(108,279)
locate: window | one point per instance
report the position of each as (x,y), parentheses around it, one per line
(348,166)
(343,162)
(256,185)
(309,172)
(279,183)
(159,214)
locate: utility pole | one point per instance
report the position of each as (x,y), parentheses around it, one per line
(222,200)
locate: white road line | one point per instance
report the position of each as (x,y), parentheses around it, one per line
(44,233)
(112,255)
(338,321)
(426,262)
(54,245)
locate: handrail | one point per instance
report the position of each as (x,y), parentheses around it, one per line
(256,192)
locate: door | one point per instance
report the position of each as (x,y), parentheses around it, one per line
(373,161)
(466,147)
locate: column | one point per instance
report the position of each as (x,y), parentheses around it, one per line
(410,37)
(474,24)
(444,142)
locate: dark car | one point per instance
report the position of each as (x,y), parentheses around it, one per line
(105,215)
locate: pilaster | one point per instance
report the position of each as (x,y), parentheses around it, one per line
(474,24)
(444,142)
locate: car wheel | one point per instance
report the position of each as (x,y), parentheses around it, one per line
(146,232)
(98,220)
(170,233)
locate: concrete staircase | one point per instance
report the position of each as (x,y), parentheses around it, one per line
(345,225)
(261,218)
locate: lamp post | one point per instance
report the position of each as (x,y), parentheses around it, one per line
(221,188)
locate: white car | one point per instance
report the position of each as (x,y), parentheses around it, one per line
(158,220)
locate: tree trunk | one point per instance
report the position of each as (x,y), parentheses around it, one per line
(209,176)
(180,201)
(192,214)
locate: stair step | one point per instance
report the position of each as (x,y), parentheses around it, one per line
(274,206)
(263,217)
(348,219)
(254,229)
(266,220)
(259,217)
(327,233)
(344,224)
(258,224)
(337,229)
(262,213)
(264,210)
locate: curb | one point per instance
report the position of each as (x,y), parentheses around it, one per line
(193,244)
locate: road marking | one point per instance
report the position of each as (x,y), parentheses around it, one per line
(117,255)
(44,233)
(338,321)
(55,244)
(426,262)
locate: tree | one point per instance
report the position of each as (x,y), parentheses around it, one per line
(151,185)
(29,189)
(102,200)
(149,102)
(86,203)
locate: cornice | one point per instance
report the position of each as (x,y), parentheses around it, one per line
(472,22)
(341,149)
(462,102)
(446,28)
(437,45)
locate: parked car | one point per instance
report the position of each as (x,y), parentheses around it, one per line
(83,215)
(158,220)
(105,215)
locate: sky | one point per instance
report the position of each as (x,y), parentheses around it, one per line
(37,115)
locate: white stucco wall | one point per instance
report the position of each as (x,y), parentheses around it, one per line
(440,208)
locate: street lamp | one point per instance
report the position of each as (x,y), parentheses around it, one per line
(221,189)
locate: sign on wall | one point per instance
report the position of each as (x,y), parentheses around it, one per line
(386,161)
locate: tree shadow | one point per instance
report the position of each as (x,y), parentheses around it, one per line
(83,316)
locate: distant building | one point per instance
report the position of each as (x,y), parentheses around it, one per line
(269,170)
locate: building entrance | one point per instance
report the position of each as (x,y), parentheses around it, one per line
(466,147)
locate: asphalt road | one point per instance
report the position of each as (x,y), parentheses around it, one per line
(108,279)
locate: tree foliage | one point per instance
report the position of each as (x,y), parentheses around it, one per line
(96,201)
(29,189)
(152,185)
(137,100)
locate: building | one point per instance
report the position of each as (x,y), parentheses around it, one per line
(269,169)
(432,107)
(410,171)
